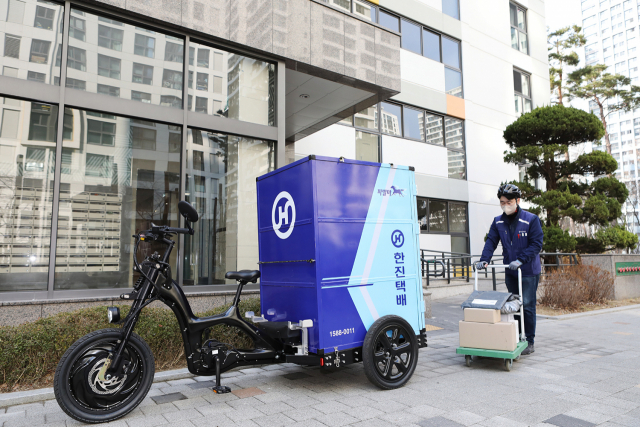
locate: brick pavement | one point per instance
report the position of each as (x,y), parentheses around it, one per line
(584,372)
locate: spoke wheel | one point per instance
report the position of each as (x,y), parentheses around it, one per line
(84,396)
(390,352)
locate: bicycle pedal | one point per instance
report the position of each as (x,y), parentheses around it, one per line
(221,389)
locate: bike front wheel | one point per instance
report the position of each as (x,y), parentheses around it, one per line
(80,392)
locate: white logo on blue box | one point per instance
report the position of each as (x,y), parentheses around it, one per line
(283,215)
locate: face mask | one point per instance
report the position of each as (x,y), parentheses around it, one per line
(509,209)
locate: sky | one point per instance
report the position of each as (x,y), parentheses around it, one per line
(562,13)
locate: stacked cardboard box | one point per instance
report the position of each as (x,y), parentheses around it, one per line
(488,329)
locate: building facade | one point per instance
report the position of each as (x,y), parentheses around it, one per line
(611,28)
(112,111)
(468,70)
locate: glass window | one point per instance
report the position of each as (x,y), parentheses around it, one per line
(36,77)
(42,123)
(143,139)
(410,38)
(11,46)
(522,89)
(518,18)
(117,189)
(451,8)
(109,37)
(144,46)
(109,67)
(76,84)
(433,127)
(203,57)
(223,233)
(142,74)
(437,216)
(457,218)
(342,4)
(201,104)
(413,122)
(431,45)
(454,133)
(131,57)
(26,194)
(451,52)
(244,92)
(456,162)
(202,83)
(77,28)
(171,101)
(389,21)
(108,90)
(367,146)
(28,39)
(391,116)
(44,17)
(422,213)
(101,133)
(39,51)
(141,96)
(367,118)
(347,121)
(453,82)
(364,10)
(173,52)
(172,79)
(77,58)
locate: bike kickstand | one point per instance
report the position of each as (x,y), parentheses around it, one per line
(219,389)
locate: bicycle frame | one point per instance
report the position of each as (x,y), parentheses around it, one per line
(192,327)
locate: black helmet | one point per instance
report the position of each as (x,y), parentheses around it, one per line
(509,191)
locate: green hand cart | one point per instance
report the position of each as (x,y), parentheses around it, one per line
(508,356)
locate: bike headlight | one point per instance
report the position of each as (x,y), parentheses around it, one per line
(113,314)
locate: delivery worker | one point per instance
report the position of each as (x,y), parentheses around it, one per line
(521,235)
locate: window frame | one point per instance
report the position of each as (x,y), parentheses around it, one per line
(518,30)
(447,203)
(528,97)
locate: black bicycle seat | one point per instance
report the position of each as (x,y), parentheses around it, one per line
(244,275)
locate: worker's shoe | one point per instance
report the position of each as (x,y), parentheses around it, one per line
(528,350)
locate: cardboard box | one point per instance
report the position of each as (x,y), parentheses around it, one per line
(490,336)
(481,315)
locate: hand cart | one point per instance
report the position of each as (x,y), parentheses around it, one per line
(508,356)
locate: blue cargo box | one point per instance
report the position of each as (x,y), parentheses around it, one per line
(339,244)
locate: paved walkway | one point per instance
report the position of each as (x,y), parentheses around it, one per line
(584,372)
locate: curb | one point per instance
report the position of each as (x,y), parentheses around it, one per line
(589,313)
(31,396)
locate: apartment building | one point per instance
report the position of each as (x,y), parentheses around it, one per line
(468,69)
(611,28)
(112,112)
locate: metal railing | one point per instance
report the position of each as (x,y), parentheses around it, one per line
(460,265)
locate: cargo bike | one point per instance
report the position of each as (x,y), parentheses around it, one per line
(339,283)
(507,356)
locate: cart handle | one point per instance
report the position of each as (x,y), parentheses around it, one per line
(475,288)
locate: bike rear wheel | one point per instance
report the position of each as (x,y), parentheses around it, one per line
(83,396)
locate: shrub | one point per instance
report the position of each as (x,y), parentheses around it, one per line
(30,352)
(573,287)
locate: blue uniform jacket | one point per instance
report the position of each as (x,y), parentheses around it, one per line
(525,244)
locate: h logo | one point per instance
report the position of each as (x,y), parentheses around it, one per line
(283,215)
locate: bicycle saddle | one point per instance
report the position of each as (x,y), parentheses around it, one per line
(244,275)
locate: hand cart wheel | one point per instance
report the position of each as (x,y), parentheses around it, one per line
(468,360)
(517,358)
(508,363)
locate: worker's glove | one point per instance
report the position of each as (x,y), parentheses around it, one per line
(515,265)
(481,265)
